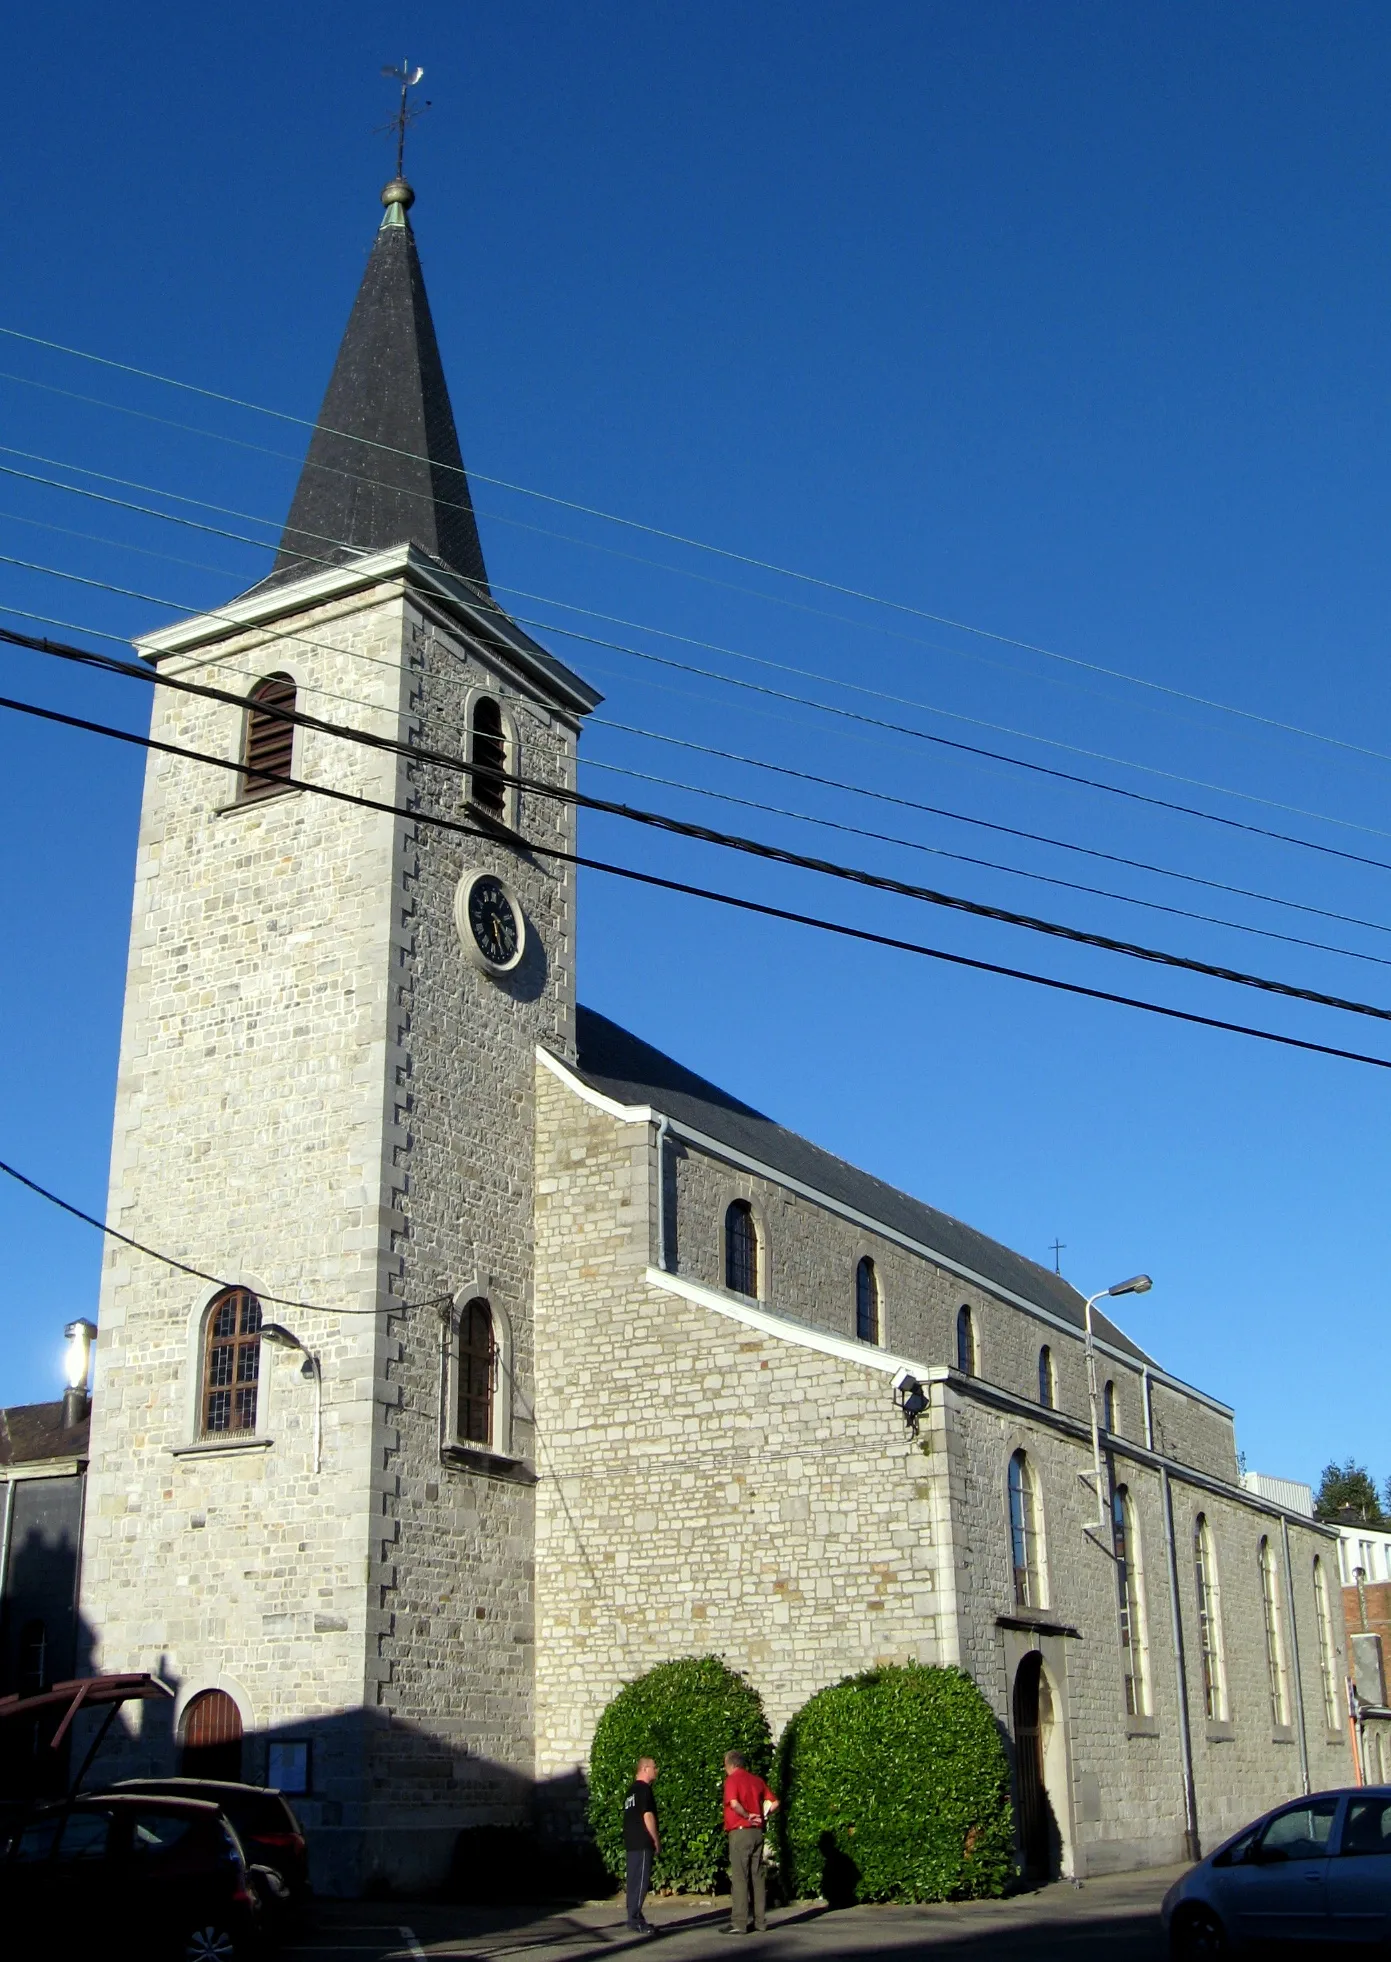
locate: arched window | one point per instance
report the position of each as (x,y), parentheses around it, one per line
(1328,1657)
(965,1341)
(1209,1622)
(741,1249)
(211,1734)
(1274,1637)
(33,1659)
(1130,1588)
(488,760)
(1025,1537)
(477,1374)
(866,1301)
(231,1363)
(268,747)
(1047,1387)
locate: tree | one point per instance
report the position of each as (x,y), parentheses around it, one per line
(1348,1494)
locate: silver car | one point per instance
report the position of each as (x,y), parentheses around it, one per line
(1316,1870)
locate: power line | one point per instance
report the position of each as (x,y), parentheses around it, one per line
(704,834)
(703,545)
(198,1274)
(777,694)
(486,598)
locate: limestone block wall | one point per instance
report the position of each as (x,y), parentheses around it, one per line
(248,1141)
(706,1487)
(808,1258)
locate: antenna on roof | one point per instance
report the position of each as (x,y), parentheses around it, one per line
(407,113)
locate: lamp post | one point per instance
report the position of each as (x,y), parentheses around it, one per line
(281,1337)
(76,1364)
(1137,1284)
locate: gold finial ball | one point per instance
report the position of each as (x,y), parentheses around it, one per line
(398,191)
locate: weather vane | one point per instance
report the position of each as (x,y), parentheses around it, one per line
(408,113)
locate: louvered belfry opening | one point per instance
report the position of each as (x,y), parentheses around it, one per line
(270,738)
(488,757)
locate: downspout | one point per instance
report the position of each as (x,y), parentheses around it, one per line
(1294,1652)
(5,1531)
(1191,1845)
(663,1127)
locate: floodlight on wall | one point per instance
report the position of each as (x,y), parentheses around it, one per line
(911,1398)
(281,1337)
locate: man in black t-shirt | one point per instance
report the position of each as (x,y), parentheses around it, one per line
(640,1842)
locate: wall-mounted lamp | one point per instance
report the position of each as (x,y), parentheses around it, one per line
(77,1363)
(911,1398)
(281,1337)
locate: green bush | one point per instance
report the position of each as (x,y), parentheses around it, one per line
(895,1787)
(686,1715)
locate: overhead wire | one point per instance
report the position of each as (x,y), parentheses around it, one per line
(701,545)
(762,908)
(417,755)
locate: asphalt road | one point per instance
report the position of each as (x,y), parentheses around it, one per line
(1061,1923)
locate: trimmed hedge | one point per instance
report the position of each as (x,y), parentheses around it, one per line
(895,1787)
(686,1715)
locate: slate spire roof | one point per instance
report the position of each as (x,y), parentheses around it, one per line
(387,390)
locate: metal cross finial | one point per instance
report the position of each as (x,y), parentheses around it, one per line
(405,114)
(1058,1248)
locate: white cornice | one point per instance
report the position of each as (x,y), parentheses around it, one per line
(625,1113)
(803,1335)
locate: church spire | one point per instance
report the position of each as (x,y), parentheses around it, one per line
(384,466)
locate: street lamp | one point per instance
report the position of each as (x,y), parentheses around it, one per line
(76,1363)
(281,1337)
(1137,1284)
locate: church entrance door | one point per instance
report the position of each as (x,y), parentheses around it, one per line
(212,1737)
(1030,1796)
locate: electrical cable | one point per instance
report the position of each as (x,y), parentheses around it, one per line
(198,1273)
(699,545)
(706,834)
(458,828)
(777,694)
(485,597)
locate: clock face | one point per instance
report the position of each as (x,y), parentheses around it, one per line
(489,922)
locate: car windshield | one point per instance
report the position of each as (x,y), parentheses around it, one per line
(1301,1833)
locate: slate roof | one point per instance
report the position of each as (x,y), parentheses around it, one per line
(387,388)
(631,1071)
(30,1432)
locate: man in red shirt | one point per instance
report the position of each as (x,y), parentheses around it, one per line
(747,1803)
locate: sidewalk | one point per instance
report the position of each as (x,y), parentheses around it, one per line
(1086,1924)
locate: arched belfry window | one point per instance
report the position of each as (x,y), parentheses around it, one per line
(965,1341)
(1025,1535)
(231,1363)
(477,1374)
(490,760)
(866,1301)
(1047,1386)
(741,1249)
(268,747)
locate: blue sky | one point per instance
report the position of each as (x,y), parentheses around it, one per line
(1069,324)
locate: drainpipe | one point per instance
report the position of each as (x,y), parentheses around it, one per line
(1192,1848)
(1294,1652)
(663,1127)
(5,1530)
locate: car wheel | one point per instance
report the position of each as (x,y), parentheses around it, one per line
(211,1943)
(1198,1935)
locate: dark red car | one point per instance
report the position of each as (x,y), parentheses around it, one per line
(133,1875)
(270,1833)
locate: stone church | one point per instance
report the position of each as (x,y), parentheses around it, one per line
(539,1359)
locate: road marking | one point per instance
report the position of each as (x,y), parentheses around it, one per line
(417,1953)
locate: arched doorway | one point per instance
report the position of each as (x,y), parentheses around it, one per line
(211,1734)
(1039,1841)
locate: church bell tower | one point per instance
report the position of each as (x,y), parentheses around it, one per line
(311,1499)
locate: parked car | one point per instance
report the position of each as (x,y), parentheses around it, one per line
(1316,1870)
(265,1823)
(127,1874)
